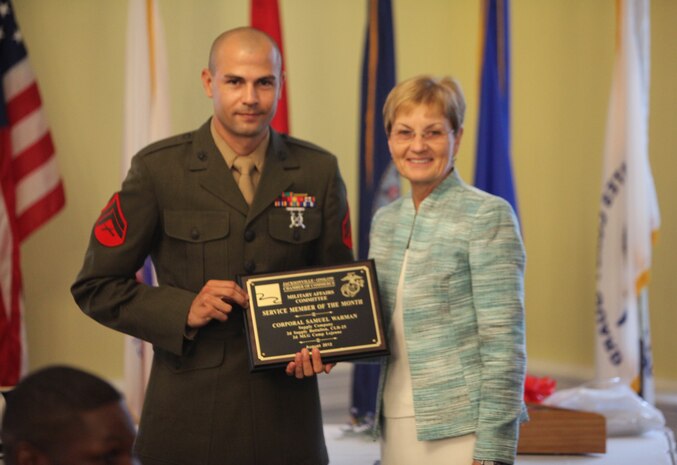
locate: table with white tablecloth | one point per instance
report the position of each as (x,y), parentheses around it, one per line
(652,448)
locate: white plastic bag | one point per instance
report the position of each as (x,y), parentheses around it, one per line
(626,413)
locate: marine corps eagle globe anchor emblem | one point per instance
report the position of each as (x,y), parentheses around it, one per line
(353,284)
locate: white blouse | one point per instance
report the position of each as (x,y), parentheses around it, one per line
(398,397)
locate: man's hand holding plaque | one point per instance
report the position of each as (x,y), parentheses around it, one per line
(306,364)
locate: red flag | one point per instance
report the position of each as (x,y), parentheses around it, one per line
(31,191)
(265,16)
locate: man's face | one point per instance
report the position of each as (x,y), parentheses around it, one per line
(106,438)
(244,84)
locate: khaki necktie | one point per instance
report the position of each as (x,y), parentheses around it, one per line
(245,166)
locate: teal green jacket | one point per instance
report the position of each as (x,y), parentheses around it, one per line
(463,307)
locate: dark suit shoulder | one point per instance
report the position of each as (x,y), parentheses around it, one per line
(168,143)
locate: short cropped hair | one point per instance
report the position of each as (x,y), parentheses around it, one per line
(444,93)
(46,407)
(247,32)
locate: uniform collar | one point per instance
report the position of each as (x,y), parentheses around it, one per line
(207,161)
(258,155)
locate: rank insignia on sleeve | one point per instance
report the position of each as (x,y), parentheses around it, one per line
(295,204)
(111,227)
(346,230)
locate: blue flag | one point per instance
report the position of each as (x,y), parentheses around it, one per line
(493,169)
(379,180)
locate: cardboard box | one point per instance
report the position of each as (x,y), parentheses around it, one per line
(552,430)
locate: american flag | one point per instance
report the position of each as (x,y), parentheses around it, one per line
(31,191)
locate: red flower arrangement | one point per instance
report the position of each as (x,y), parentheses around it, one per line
(537,389)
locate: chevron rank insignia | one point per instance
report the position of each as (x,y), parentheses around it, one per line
(111,227)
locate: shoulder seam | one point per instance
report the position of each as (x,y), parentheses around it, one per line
(168,142)
(293,140)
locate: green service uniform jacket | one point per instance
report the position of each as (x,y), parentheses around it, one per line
(180,204)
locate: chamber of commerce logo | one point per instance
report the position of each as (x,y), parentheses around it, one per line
(268,294)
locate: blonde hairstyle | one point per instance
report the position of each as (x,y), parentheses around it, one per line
(444,93)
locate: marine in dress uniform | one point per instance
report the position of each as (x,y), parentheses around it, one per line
(181,205)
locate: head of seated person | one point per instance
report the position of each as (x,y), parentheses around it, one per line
(64,416)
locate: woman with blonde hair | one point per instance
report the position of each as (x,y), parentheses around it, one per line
(450,264)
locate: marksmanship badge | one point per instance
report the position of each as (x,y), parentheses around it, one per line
(295,204)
